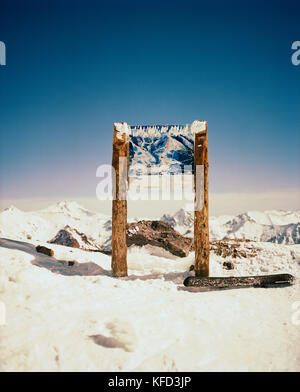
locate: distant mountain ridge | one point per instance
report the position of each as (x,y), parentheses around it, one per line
(282,227)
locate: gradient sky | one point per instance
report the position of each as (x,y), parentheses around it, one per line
(75,67)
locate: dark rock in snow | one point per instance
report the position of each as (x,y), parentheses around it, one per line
(228,265)
(70,236)
(64,237)
(160,234)
(44,250)
(231,248)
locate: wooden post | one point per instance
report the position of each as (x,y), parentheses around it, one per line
(119,204)
(201,225)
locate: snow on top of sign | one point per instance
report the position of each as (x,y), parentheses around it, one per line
(155,130)
(198,126)
(181,129)
(121,128)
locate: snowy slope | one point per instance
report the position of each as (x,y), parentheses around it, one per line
(68,213)
(43,225)
(21,225)
(79,318)
(146,322)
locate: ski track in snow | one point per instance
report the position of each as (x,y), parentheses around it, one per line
(91,321)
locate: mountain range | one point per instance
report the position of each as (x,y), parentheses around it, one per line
(281,227)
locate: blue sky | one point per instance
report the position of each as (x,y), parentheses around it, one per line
(75,67)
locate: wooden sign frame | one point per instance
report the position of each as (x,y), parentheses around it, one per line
(120,163)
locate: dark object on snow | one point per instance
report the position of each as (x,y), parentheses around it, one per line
(158,233)
(44,250)
(232,248)
(240,281)
(228,265)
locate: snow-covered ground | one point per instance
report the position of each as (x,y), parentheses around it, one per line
(62,317)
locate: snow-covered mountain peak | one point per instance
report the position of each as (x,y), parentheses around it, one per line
(12,209)
(70,208)
(64,205)
(69,236)
(240,220)
(271,226)
(272,217)
(282,217)
(184,217)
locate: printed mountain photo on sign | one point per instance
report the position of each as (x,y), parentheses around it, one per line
(166,149)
